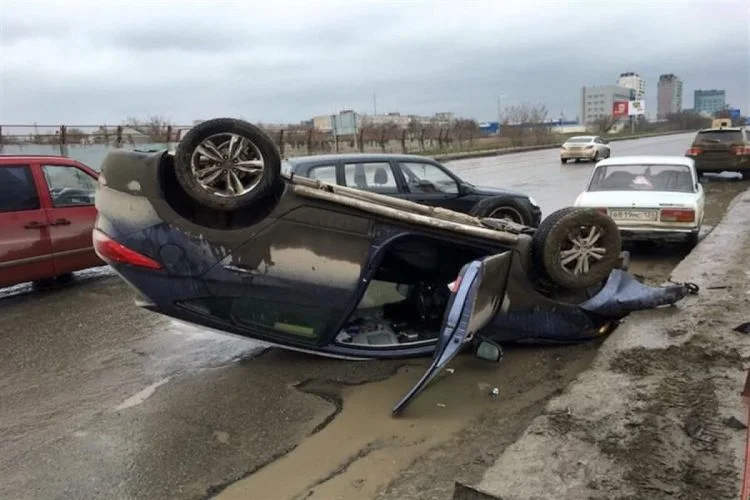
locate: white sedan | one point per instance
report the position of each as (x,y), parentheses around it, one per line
(648,197)
(585,147)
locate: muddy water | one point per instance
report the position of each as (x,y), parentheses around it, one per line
(361,452)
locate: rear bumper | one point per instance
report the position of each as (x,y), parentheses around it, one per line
(656,233)
(722,164)
(577,155)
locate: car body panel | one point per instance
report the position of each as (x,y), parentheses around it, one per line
(648,205)
(480,291)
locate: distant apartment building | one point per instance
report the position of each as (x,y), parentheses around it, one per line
(668,95)
(633,81)
(597,101)
(709,101)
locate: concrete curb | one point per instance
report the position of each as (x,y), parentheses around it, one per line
(648,418)
(522,149)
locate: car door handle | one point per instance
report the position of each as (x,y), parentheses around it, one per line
(61,222)
(35,224)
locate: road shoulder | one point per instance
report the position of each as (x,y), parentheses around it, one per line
(656,414)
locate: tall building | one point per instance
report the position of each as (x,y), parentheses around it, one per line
(668,95)
(633,81)
(709,101)
(597,101)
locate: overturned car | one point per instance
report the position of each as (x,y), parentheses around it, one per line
(215,235)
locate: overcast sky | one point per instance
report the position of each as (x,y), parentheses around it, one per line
(85,62)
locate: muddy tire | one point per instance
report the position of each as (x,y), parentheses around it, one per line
(577,248)
(502,207)
(692,240)
(227,164)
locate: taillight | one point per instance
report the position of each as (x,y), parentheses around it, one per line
(601,210)
(741,150)
(111,251)
(677,215)
(694,152)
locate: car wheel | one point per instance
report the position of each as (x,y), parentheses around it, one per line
(563,160)
(503,207)
(692,240)
(577,247)
(745,175)
(227,164)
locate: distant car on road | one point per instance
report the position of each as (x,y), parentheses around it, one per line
(648,197)
(418,179)
(47,214)
(723,149)
(585,147)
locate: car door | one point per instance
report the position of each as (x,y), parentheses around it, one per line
(71,214)
(478,294)
(429,184)
(25,247)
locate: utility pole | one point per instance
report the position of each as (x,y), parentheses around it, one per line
(374,103)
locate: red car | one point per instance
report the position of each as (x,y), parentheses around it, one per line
(47,214)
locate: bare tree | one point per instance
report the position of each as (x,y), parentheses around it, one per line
(516,120)
(686,120)
(155,128)
(538,119)
(465,129)
(604,124)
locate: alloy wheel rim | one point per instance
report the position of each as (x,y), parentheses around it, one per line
(582,250)
(227,165)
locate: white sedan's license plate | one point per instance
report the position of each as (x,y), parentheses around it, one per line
(635,215)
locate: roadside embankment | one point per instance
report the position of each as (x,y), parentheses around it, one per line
(659,413)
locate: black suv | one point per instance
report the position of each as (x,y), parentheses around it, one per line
(419,179)
(725,149)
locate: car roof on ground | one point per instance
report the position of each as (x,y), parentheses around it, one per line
(357,156)
(647,160)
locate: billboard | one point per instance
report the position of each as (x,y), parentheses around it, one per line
(619,109)
(637,108)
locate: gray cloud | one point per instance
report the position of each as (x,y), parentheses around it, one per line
(82,62)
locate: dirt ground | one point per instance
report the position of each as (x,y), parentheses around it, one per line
(454,432)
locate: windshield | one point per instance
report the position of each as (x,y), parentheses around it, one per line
(718,137)
(578,140)
(674,178)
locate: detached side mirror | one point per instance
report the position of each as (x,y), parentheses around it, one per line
(489,351)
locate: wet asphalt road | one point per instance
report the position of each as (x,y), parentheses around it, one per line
(99,399)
